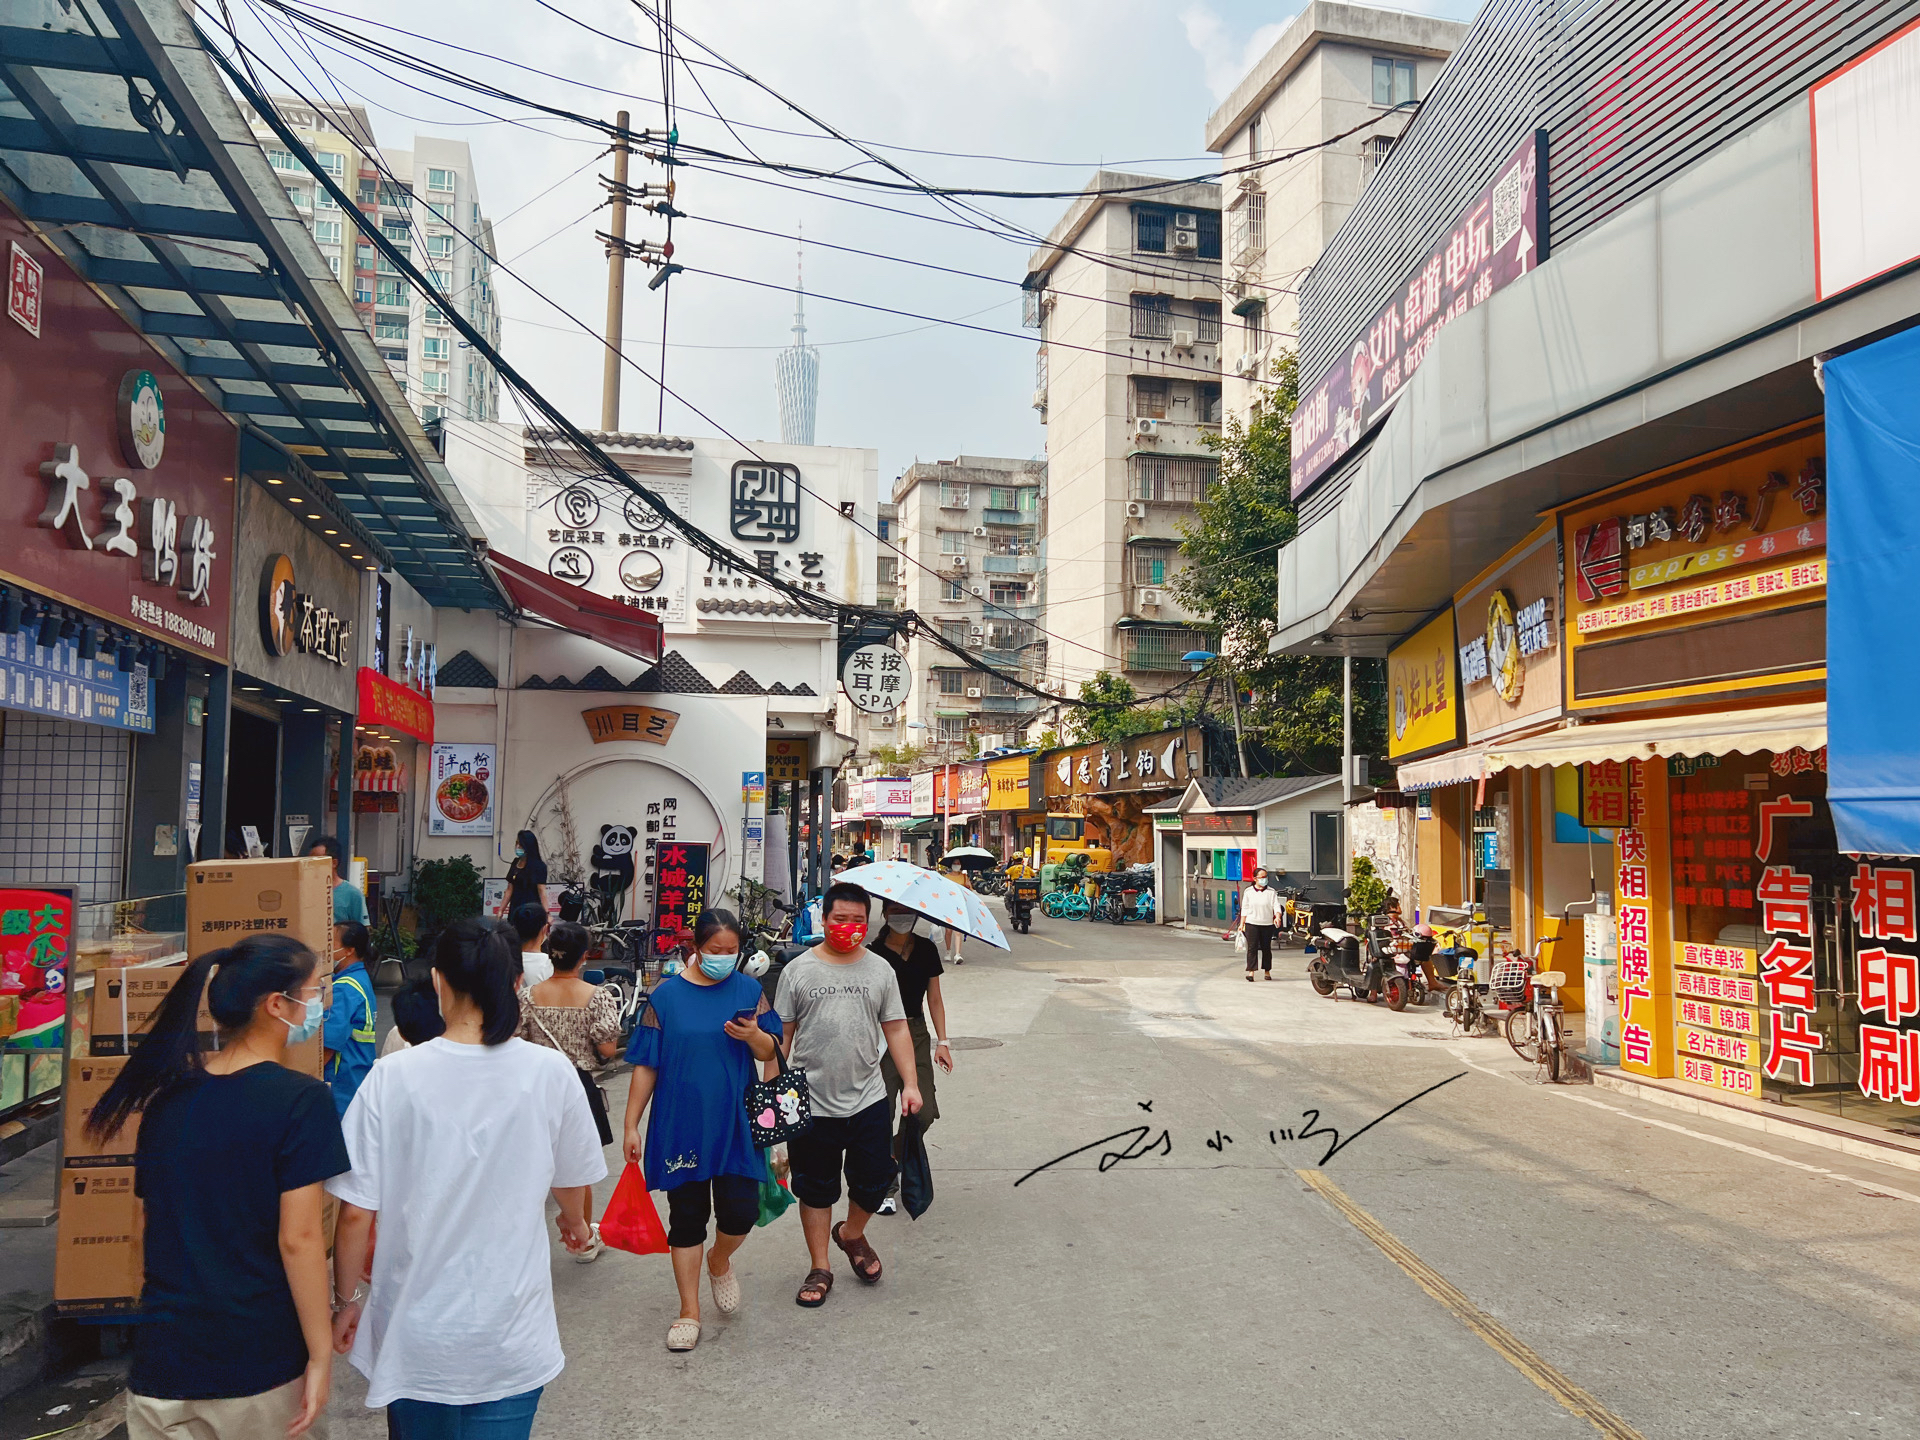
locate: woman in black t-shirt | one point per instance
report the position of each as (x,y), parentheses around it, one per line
(235,1340)
(916,963)
(527,875)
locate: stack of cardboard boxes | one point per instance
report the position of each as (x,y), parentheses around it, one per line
(99,1264)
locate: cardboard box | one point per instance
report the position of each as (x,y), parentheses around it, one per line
(87,1080)
(227,899)
(99,1263)
(124,1003)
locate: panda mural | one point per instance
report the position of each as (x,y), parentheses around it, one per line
(613,862)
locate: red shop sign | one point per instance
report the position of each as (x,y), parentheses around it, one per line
(117,474)
(385,702)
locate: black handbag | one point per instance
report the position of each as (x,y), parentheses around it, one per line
(780,1108)
(916,1175)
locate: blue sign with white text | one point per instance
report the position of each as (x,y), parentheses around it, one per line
(55,680)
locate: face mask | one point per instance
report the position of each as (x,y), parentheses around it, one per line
(537,967)
(846,935)
(718,967)
(899,924)
(518,853)
(307,1028)
(1261,883)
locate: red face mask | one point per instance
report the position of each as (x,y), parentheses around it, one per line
(846,935)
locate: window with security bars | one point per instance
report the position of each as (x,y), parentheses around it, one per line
(1373,154)
(1151,317)
(954,632)
(1150,564)
(1247,227)
(950,729)
(1206,317)
(1150,231)
(1150,397)
(1155,649)
(1180,479)
(1009,594)
(953,682)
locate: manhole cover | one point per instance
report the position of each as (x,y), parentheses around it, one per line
(1177,1015)
(1081,980)
(974,1042)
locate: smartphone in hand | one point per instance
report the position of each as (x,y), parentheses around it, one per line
(743,1017)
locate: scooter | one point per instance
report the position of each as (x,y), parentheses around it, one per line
(1022,896)
(1339,960)
(1392,948)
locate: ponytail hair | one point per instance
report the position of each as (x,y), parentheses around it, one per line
(478,959)
(241,977)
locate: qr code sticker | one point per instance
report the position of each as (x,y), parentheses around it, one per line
(137,692)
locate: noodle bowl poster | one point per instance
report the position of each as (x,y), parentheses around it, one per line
(462,782)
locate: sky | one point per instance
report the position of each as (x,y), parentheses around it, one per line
(1071,83)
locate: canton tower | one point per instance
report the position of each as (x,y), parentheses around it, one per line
(797,372)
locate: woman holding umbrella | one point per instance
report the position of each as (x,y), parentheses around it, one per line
(951,939)
(916,964)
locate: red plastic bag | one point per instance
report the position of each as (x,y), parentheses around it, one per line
(631,1222)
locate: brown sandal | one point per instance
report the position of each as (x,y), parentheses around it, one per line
(818,1281)
(859,1254)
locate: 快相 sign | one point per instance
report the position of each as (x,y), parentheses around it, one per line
(143,540)
(1501,236)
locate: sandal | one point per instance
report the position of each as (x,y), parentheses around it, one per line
(726,1291)
(859,1253)
(683,1334)
(820,1283)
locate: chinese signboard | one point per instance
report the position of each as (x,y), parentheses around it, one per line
(1007,782)
(786,761)
(630,722)
(1164,760)
(124,495)
(971,797)
(1509,629)
(876,678)
(887,796)
(1735,541)
(393,706)
(922,794)
(291,620)
(1218,824)
(680,893)
(56,680)
(1499,238)
(1633,882)
(1425,710)
(462,781)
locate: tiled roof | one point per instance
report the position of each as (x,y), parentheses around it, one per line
(598,679)
(750,607)
(743,684)
(464,671)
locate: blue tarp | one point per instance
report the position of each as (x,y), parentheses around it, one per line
(1873,553)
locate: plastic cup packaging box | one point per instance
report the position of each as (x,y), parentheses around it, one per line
(99,1261)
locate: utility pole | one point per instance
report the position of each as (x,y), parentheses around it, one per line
(616,282)
(1239,742)
(1346,767)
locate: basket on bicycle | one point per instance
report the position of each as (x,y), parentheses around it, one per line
(1510,976)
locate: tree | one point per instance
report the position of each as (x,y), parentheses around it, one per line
(1293,702)
(1119,715)
(898,757)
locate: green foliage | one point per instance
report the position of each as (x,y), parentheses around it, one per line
(1367,895)
(1120,713)
(444,891)
(898,757)
(1292,702)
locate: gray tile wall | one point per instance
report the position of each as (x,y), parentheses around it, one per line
(63,804)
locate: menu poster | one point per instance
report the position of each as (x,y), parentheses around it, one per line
(462,781)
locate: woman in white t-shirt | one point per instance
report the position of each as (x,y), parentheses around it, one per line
(456,1144)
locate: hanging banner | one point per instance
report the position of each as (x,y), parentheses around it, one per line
(680,893)
(392,706)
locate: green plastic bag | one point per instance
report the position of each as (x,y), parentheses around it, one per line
(774,1200)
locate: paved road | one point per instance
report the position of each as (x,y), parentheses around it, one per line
(1565,1261)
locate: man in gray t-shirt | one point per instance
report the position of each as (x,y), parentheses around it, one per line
(840,1007)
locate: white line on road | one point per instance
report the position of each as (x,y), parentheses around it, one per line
(1871,1186)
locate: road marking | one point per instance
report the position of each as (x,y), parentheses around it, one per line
(1503,1341)
(1872,1185)
(1051,941)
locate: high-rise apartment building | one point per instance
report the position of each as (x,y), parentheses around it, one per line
(967,547)
(1334,68)
(427,202)
(1126,295)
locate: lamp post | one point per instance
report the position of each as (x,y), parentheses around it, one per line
(1197,660)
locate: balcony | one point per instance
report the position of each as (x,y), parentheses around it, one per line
(1009,564)
(953,499)
(1004,517)
(997,611)
(1018,704)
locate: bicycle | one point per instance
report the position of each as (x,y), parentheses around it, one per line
(1537,1030)
(1065,905)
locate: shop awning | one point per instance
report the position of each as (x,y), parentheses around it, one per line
(1449,769)
(577,611)
(1735,732)
(906,824)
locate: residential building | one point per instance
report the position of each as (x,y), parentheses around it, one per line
(968,551)
(1126,295)
(427,202)
(1302,116)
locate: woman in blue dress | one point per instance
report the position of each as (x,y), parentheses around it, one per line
(693,1056)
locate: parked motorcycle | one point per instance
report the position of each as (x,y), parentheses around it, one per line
(1391,946)
(1341,959)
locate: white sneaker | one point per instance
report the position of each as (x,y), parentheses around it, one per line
(592,1252)
(887,1207)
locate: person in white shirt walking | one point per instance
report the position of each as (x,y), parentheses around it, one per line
(1259,918)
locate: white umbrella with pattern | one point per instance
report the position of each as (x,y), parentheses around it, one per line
(930,894)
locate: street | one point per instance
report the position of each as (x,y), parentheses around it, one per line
(1648,1271)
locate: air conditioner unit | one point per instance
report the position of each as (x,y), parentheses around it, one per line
(1039,399)
(1136,510)
(980,531)
(1247,364)
(1237,288)
(957,562)
(1186,241)
(973,692)
(1183,339)
(976,591)
(1150,598)
(977,632)
(1185,220)
(1146,429)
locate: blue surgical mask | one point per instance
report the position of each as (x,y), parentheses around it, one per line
(307,1028)
(519,853)
(718,967)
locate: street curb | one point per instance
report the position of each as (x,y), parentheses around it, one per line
(1808,1132)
